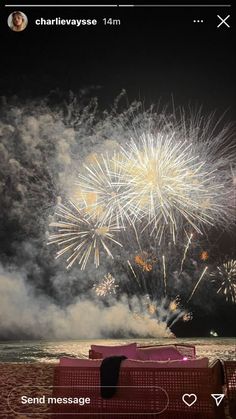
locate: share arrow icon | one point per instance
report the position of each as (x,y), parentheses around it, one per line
(218,398)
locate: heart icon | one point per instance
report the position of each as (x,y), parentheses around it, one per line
(189,399)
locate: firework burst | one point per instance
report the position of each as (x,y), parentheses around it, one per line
(225,277)
(145,261)
(81,236)
(102,191)
(164,310)
(170,182)
(187,317)
(106,287)
(204,255)
(174,304)
(167,182)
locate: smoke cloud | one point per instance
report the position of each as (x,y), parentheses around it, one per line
(24,314)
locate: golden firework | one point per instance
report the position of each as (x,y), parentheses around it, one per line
(204,255)
(145,260)
(174,304)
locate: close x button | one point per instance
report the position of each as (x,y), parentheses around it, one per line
(223,21)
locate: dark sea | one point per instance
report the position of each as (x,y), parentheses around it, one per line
(51,351)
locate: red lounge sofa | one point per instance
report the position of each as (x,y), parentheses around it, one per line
(141,392)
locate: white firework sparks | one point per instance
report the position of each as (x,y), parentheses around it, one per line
(225,276)
(102,190)
(185,251)
(81,236)
(170,182)
(197,284)
(164,272)
(170,176)
(106,287)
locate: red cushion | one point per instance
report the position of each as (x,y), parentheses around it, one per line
(159,353)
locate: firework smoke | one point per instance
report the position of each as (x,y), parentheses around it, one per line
(40,317)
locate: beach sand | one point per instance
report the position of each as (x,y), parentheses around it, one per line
(17,379)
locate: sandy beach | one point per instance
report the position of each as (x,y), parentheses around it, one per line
(34,379)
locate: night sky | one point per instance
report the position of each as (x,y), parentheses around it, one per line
(155,54)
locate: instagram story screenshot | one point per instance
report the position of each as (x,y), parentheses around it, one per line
(118,211)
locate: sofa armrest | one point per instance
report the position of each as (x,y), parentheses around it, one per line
(94,355)
(230,380)
(217,368)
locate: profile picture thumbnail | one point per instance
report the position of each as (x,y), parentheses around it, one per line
(17,21)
